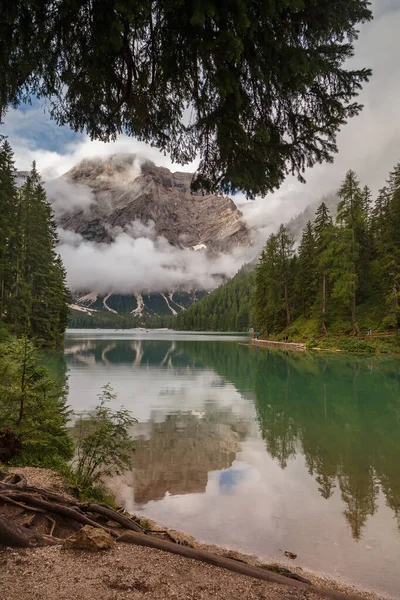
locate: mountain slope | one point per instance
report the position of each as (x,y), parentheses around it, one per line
(228,308)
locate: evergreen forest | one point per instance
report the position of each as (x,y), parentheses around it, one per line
(33,292)
(228,308)
(344,277)
(341,279)
(33,314)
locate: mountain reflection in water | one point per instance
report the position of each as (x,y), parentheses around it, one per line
(305,447)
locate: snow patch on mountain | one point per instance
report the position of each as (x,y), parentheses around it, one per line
(168,304)
(140,305)
(106,305)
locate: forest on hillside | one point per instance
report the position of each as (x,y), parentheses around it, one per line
(343,278)
(227,308)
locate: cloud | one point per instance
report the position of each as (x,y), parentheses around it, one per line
(52,164)
(143,264)
(31,128)
(66,197)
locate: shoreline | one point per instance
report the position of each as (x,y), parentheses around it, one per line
(303,347)
(297,346)
(150,563)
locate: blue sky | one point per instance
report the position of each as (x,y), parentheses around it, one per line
(32,124)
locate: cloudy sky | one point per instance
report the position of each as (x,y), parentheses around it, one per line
(369,143)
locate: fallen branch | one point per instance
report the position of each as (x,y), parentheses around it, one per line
(12,534)
(112,515)
(53,525)
(228,563)
(9,500)
(64,511)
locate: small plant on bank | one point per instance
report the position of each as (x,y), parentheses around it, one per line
(311,343)
(103,444)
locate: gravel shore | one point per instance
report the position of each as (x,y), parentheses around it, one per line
(125,571)
(128,571)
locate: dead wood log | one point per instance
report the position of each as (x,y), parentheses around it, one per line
(227,563)
(13,535)
(17,481)
(112,515)
(43,500)
(64,511)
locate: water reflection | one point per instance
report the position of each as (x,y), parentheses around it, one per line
(176,455)
(163,353)
(303,447)
(341,413)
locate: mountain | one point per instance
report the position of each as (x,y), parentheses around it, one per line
(125,194)
(127,189)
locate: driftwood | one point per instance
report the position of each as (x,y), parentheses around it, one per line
(57,510)
(228,563)
(14,491)
(113,515)
(12,534)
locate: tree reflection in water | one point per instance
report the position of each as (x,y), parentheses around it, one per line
(341,412)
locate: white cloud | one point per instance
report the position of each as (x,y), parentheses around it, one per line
(54,164)
(141,265)
(66,197)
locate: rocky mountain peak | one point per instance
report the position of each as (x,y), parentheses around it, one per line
(127,188)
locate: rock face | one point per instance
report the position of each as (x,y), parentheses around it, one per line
(91,539)
(126,189)
(168,303)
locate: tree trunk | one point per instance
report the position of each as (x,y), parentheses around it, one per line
(287,307)
(356,329)
(324,302)
(13,535)
(23,376)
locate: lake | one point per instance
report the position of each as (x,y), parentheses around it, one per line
(256,450)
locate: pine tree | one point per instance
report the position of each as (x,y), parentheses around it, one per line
(8,193)
(34,295)
(323,230)
(367,204)
(285,244)
(306,271)
(389,248)
(352,221)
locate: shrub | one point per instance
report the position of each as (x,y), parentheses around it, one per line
(103,443)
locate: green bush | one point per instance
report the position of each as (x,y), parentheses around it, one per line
(103,444)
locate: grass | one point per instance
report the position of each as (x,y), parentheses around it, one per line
(340,334)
